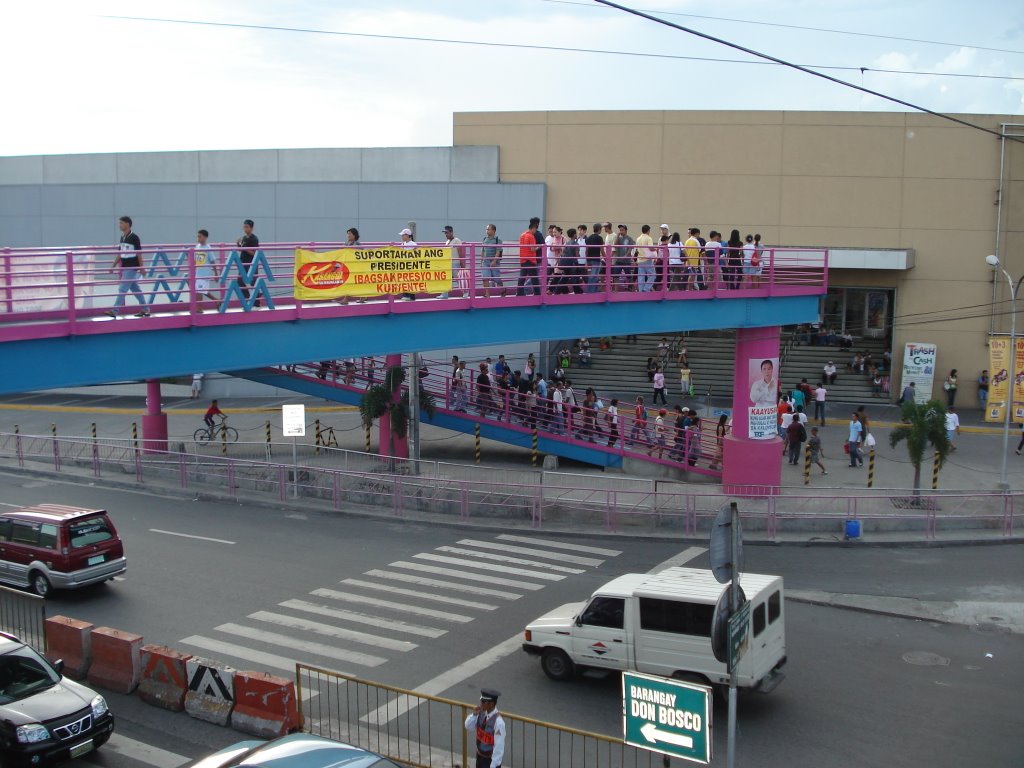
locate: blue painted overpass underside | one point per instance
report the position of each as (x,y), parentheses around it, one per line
(150,354)
(456,422)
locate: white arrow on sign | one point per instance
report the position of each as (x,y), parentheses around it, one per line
(652,734)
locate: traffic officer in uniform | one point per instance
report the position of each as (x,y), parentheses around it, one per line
(489,728)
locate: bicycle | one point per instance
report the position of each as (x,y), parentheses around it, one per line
(220,431)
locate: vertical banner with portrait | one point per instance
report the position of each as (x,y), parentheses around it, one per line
(919,367)
(762,409)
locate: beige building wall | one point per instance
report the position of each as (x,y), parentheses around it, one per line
(838,179)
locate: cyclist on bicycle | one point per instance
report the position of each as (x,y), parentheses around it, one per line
(212,411)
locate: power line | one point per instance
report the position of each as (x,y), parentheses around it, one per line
(807,29)
(805,70)
(553,48)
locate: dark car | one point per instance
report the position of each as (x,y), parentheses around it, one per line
(44,717)
(299,750)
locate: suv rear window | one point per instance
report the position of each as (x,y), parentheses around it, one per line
(92,530)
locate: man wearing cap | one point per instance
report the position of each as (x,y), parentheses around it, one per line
(407,242)
(489,728)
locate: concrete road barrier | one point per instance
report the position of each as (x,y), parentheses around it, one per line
(211,690)
(116,660)
(70,640)
(164,680)
(265,705)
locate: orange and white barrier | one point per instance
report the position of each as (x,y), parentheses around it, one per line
(164,680)
(265,705)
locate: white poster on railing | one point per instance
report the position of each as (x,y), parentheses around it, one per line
(919,367)
(762,411)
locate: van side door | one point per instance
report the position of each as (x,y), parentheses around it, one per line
(599,639)
(21,550)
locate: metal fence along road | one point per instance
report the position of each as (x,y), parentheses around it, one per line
(542,500)
(429,732)
(24,616)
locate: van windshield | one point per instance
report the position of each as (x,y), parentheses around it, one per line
(90,531)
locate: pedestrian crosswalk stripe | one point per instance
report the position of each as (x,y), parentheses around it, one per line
(421,595)
(490,567)
(441,584)
(360,618)
(349,597)
(144,753)
(241,652)
(508,559)
(329,630)
(559,545)
(319,649)
(560,556)
(491,580)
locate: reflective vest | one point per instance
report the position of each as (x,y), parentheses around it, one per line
(485,733)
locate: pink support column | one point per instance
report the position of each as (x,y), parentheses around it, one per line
(390,443)
(154,423)
(752,455)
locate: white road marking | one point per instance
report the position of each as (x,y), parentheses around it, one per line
(592,561)
(467,575)
(144,753)
(560,545)
(13,506)
(241,652)
(688,554)
(417,593)
(508,559)
(439,583)
(490,567)
(329,630)
(191,536)
(360,618)
(348,597)
(404,704)
(272,638)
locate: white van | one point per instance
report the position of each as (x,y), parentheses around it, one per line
(660,624)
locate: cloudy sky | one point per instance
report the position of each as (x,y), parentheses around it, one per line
(77,79)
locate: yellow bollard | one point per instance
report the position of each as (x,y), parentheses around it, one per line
(476,436)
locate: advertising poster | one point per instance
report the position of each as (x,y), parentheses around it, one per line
(762,410)
(371,272)
(919,367)
(1002,381)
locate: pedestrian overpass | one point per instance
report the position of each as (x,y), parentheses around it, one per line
(55,331)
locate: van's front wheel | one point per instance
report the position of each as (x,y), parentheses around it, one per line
(39,584)
(556,664)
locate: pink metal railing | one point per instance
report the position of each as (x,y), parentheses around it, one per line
(698,449)
(48,292)
(581,507)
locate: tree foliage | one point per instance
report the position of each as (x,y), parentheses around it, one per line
(379,399)
(922,425)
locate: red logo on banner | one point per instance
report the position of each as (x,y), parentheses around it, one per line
(322,275)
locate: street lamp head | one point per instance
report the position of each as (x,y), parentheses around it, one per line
(992,260)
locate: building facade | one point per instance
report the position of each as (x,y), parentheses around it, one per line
(910,204)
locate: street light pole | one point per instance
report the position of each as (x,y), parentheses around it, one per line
(993,261)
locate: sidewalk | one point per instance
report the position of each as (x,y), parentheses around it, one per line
(975,466)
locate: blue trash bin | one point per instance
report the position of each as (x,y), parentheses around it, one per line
(853,529)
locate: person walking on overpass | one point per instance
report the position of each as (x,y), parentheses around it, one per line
(247,245)
(129,262)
